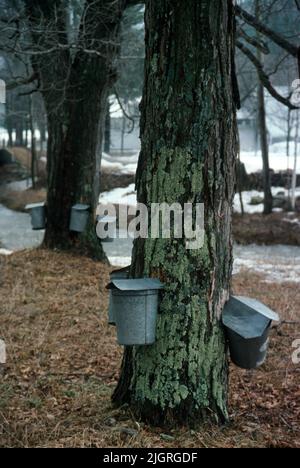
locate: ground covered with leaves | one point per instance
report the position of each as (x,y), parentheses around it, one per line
(63,363)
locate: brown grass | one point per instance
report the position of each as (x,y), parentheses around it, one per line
(18,200)
(266,229)
(63,364)
(23,155)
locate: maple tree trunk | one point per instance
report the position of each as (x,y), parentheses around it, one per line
(75,88)
(189,147)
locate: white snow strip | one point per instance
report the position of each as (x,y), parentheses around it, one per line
(277,159)
(278,263)
(121,164)
(127,196)
(119,196)
(120,261)
(5,252)
(248,195)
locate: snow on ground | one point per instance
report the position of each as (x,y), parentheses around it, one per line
(277,159)
(19,186)
(122,164)
(5,252)
(119,196)
(120,262)
(127,196)
(278,263)
(248,195)
(252,160)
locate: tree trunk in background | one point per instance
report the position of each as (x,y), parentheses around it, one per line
(107,129)
(26,133)
(189,147)
(294,176)
(19,131)
(43,129)
(74,158)
(75,109)
(288,146)
(123,129)
(263,131)
(268,199)
(33,146)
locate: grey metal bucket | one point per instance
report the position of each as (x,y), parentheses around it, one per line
(248,353)
(247,322)
(105,223)
(117,274)
(38,215)
(135,307)
(79,218)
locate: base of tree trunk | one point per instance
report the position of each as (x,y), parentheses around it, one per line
(86,244)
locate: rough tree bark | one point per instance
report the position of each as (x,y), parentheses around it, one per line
(75,90)
(189,147)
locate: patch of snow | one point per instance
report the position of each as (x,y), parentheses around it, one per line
(248,195)
(277,210)
(278,263)
(122,164)
(5,252)
(119,196)
(277,159)
(120,261)
(292,221)
(19,185)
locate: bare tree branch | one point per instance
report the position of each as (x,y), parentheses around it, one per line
(262,46)
(274,36)
(265,80)
(131,119)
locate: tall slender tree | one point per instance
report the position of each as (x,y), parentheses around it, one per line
(262,127)
(189,147)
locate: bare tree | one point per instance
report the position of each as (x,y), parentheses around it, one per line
(74,73)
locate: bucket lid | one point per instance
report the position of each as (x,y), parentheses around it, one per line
(35,205)
(143,284)
(247,317)
(81,207)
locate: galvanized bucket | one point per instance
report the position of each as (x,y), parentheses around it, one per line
(247,322)
(107,224)
(79,218)
(117,274)
(38,215)
(248,353)
(135,306)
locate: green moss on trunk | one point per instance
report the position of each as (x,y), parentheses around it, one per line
(188,155)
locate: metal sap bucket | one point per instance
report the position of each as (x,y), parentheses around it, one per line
(38,215)
(247,322)
(106,224)
(135,306)
(117,274)
(79,217)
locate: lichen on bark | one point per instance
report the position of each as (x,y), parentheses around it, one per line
(188,155)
